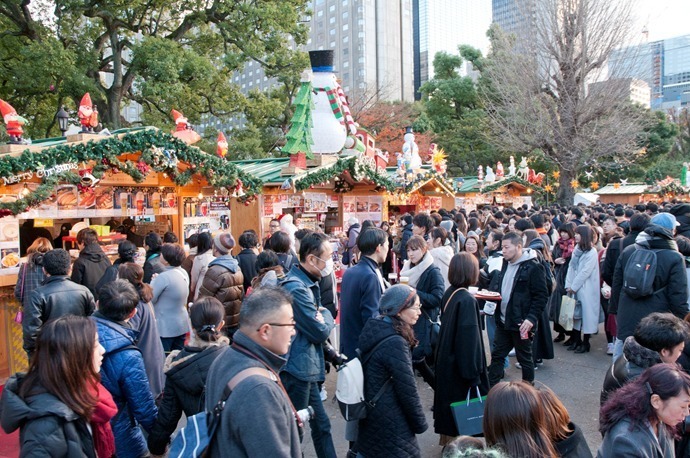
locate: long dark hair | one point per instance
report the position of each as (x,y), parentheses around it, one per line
(62,364)
(586,236)
(633,401)
(514,420)
(134,274)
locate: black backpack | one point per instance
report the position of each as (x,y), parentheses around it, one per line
(639,273)
(548,272)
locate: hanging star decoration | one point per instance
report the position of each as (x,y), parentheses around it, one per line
(574,184)
(624,182)
(548,188)
(589,175)
(595,185)
(556,174)
(616,185)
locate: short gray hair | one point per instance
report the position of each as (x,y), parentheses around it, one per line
(261,306)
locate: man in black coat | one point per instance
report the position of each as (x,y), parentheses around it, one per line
(92,261)
(57,296)
(682,214)
(246,258)
(638,223)
(522,285)
(670,280)
(406,223)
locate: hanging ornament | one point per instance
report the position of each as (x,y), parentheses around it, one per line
(574,184)
(624,182)
(616,185)
(595,185)
(589,174)
(556,174)
(548,188)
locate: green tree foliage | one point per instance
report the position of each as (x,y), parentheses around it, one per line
(161,54)
(455,114)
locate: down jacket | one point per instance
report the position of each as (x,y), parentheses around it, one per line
(47,426)
(635,360)
(124,376)
(391,426)
(670,282)
(185,389)
(223,280)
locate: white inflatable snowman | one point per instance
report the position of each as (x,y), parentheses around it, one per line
(328,132)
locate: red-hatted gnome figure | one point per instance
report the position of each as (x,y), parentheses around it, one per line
(88,115)
(13,121)
(222,145)
(183,130)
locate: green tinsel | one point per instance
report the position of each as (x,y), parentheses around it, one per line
(346,164)
(507,181)
(105,152)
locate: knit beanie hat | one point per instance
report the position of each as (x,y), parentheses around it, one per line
(396,298)
(224,242)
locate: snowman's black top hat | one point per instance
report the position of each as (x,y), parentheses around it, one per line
(321,61)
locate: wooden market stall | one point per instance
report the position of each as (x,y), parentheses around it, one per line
(626,194)
(510,191)
(145,176)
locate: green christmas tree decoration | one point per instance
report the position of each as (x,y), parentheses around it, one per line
(299,135)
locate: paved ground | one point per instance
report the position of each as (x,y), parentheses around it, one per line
(576,379)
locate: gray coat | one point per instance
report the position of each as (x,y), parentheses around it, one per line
(638,442)
(170,291)
(583,278)
(257,419)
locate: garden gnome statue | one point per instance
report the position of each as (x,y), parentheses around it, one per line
(13,122)
(85,114)
(183,130)
(328,132)
(490,177)
(511,167)
(222,145)
(411,151)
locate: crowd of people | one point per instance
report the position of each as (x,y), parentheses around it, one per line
(248,338)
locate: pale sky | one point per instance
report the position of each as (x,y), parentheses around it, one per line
(664,18)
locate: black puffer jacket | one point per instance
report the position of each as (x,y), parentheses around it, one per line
(185,390)
(247,261)
(670,283)
(635,360)
(47,426)
(430,289)
(391,425)
(90,267)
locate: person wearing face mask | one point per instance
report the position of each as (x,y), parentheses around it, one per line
(426,278)
(305,366)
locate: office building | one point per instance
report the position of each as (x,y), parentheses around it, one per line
(663,64)
(372,40)
(443,25)
(636,90)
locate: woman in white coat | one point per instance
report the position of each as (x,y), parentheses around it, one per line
(441,251)
(582,281)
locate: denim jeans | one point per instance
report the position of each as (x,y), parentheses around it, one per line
(172,343)
(304,394)
(504,341)
(490,332)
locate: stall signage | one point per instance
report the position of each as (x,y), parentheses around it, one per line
(40,173)
(42,222)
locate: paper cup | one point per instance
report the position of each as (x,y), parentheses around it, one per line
(404,280)
(473,290)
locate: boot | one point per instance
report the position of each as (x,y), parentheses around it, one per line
(560,337)
(569,342)
(573,346)
(582,348)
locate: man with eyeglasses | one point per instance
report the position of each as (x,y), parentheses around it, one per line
(305,366)
(258,417)
(273,227)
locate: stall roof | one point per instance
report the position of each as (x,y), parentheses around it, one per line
(266,170)
(432,175)
(472,184)
(632,188)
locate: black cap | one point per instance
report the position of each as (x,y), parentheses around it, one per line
(321,61)
(680,209)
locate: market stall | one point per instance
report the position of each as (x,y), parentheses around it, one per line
(143,178)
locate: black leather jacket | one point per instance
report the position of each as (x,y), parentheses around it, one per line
(57,296)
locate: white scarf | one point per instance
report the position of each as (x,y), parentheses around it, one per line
(414,272)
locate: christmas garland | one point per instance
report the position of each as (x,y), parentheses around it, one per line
(359,169)
(512,179)
(160,152)
(423,178)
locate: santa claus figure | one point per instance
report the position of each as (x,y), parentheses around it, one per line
(13,122)
(86,114)
(183,130)
(222,145)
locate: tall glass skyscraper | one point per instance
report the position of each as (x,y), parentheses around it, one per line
(443,25)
